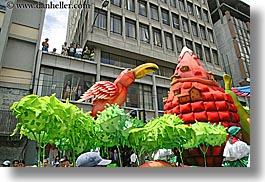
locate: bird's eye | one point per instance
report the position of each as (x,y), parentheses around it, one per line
(129,69)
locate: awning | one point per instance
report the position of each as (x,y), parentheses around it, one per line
(242,91)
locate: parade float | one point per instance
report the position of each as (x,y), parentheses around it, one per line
(196,96)
(197,114)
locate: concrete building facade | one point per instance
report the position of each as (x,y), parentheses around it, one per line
(231,21)
(127,33)
(20,32)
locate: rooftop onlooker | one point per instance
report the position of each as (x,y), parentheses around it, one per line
(78,51)
(45,45)
(15,163)
(64,49)
(6,163)
(71,50)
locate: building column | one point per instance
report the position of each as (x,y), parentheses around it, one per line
(97,58)
(154,94)
(5,31)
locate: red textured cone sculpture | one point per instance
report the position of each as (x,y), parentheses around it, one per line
(195,96)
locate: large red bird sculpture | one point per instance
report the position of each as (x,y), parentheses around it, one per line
(115,93)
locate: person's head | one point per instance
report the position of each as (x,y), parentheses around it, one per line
(115,151)
(72,44)
(235,131)
(54,50)
(21,163)
(15,163)
(46,40)
(65,43)
(91,159)
(45,163)
(66,163)
(6,163)
(62,162)
(78,46)
(57,158)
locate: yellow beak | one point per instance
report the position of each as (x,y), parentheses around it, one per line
(143,69)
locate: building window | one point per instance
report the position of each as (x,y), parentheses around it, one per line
(161,93)
(146,97)
(175,20)
(133,97)
(181,5)
(190,8)
(144,33)
(210,33)
(198,49)
(203,33)
(185,25)
(157,37)
(130,5)
(215,57)
(101,21)
(142,8)
(164,71)
(165,17)
(130,28)
(169,41)
(116,2)
(194,29)
(198,12)
(179,43)
(205,15)
(207,54)
(154,12)
(66,84)
(172,3)
(189,44)
(115,24)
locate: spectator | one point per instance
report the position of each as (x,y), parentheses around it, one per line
(6,163)
(54,50)
(21,163)
(236,152)
(45,45)
(92,56)
(67,90)
(133,160)
(91,159)
(45,163)
(55,163)
(71,50)
(67,163)
(64,49)
(78,92)
(86,53)
(78,51)
(115,157)
(62,162)
(15,163)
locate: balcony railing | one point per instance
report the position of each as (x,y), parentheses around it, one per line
(7,122)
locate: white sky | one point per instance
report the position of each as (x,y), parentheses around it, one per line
(55,26)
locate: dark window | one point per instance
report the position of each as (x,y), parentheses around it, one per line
(207,54)
(210,33)
(194,29)
(115,24)
(215,57)
(189,44)
(205,15)
(181,5)
(198,49)
(190,8)
(130,28)
(165,17)
(185,25)
(175,20)
(144,33)
(169,41)
(179,43)
(154,12)
(157,37)
(173,3)
(142,8)
(198,12)
(161,93)
(101,21)
(203,34)
(116,2)
(130,5)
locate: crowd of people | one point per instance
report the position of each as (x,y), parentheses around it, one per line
(72,50)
